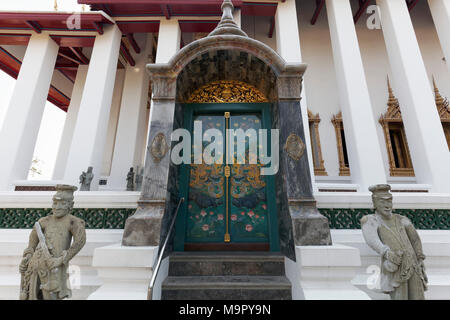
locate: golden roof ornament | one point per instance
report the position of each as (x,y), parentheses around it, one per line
(55,5)
(227,25)
(442,104)
(393,111)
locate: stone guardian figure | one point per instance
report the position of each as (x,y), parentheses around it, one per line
(394,237)
(130,180)
(139,177)
(86,179)
(45,261)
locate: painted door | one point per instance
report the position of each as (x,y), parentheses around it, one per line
(228,206)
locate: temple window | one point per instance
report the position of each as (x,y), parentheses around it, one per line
(344,167)
(444,112)
(400,163)
(319,168)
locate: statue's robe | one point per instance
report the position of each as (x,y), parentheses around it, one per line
(399,236)
(41,282)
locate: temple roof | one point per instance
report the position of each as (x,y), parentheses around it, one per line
(173,8)
(52,21)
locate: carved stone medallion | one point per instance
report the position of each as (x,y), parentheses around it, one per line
(294,147)
(159,147)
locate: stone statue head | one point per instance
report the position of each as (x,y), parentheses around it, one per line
(382,199)
(63,200)
(89,169)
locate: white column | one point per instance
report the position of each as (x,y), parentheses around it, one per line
(90,130)
(128,149)
(108,150)
(440,10)
(364,152)
(288,47)
(23,117)
(69,124)
(424,132)
(168,40)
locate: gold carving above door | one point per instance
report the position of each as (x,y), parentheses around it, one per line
(227,91)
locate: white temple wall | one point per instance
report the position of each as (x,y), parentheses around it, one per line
(320,79)
(112,123)
(257,28)
(376,66)
(430,47)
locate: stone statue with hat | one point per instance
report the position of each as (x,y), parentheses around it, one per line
(86,179)
(54,241)
(394,237)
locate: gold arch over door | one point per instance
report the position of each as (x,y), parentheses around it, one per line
(227,91)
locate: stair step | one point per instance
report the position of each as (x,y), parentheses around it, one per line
(226,288)
(226,264)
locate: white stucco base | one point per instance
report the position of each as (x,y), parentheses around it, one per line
(83,277)
(324,273)
(105,270)
(124,272)
(436,247)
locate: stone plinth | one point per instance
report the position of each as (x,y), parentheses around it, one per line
(309,226)
(144,227)
(325,273)
(125,272)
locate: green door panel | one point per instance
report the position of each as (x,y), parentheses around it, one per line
(245,206)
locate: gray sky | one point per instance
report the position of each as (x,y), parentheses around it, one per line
(53,119)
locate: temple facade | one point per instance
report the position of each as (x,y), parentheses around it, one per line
(352,93)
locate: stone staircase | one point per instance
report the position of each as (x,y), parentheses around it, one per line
(225,276)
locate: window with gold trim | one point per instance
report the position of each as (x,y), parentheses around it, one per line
(344,167)
(319,167)
(444,112)
(400,163)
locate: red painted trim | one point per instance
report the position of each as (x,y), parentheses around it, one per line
(165,9)
(58,98)
(204,26)
(68,56)
(236,3)
(14,39)
(11,65)
(171,8)
(126,54)
(133,43)
(78,52)
(39,21)
(7,69)
(74,41)
(69,75)
(363,4)
(319,6)
(259,9)
(66,66)
(98,27)
(106,9)
(138,26)
(34,25)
